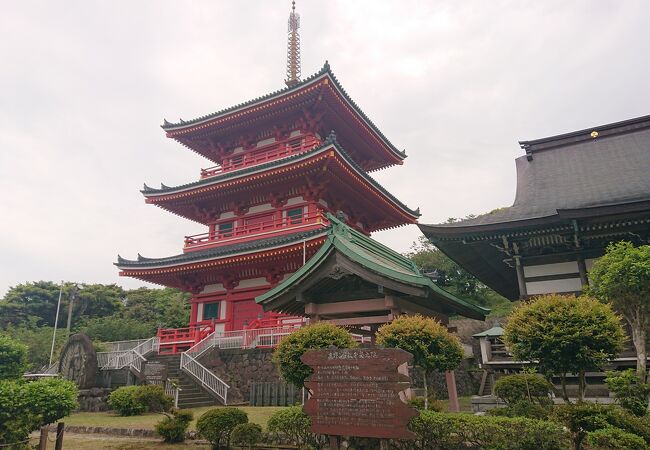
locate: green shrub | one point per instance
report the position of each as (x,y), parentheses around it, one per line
(26,406)
(246,435)
(13,358)
(612,438)
(52,398)
(319,335)
(630,392)
(523,387)
(216,425)
(125,401)
(583,418)
(153,398)
(464,431)
(173,427)
(523,408)
(291,424)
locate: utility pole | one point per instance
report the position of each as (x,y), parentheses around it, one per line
(56,321)
(73,294)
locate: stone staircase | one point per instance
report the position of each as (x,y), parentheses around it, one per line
(192,395)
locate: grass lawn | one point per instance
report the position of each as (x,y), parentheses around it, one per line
(256,414)
(105,442)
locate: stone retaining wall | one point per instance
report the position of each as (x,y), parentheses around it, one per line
(93,400)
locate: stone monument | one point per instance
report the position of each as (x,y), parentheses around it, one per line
(78,361)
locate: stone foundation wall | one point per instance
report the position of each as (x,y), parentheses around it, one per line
(239,368)
(93,400)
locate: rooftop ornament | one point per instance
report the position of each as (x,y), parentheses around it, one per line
(293,48)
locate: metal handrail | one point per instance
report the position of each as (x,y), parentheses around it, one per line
(209,380)
(132,358)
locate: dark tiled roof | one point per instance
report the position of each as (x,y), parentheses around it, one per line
(576,171)
(329,142)
(218,252)
(168,126)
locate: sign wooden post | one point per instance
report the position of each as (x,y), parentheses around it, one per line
(359,392)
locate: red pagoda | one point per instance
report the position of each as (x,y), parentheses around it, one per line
(281,162)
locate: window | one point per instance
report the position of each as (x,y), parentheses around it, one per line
(294,216)
(225,229)
(210,311)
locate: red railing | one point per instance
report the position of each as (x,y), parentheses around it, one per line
(263,154)
(187,335)
(253,230)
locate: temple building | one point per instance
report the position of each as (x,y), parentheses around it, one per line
(289,168)
(576,193)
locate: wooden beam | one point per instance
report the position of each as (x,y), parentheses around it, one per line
(411,307)
(346,307)
(369,320)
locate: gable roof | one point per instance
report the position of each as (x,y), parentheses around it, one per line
(377,258)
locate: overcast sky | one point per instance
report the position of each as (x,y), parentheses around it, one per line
(84,86)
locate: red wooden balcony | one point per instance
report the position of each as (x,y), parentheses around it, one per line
(263,154)
(302,222)
(175,340)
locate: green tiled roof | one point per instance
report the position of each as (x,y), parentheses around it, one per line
(330,142)
(377,258)
(217,252)
(168,126)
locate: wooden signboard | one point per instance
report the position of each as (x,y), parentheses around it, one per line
(359,392)
(155,372)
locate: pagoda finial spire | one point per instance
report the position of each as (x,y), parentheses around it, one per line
(293,48)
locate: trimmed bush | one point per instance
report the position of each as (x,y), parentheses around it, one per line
(173,427)
(13,358)
(630,392)
(153,398)
(523,408)
(523,387)
(291,424)
(583,418)
(465,431)
(216,425)
(612,438)
(319,335)
(246,435)
(125,401)
(52,398)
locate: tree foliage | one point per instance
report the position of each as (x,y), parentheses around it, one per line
(519,387)
(432,346)
(26,406)
(13,358)
(455,279)
(630,392)
(622,278)
(315,336)
(216,425)
(564,334)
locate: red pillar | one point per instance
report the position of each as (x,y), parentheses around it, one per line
(450,377)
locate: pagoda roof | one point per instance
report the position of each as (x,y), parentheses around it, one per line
(362,251)
(167,193)
(235,249)
(571,174)
(206,124)
(492,332)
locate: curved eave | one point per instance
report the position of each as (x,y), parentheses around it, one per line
(178,263)
(177,130)
(164,194)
